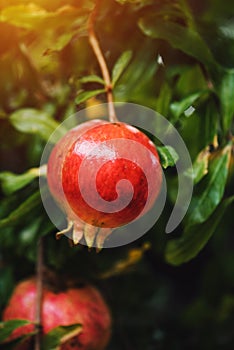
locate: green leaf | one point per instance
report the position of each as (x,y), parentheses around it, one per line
(32,16)
(168,156)
(179,37)
(179,107)
(209,192)
(27,16)
(120,66)
(59,335)
(33,121)
(191,80)
(200,166)
(137,84)
(24,209)
(209,122)
(52,30)
(164,99)
(92,79)
(6,328)
(227,100)
(195,237)
(86,95)
(11,183)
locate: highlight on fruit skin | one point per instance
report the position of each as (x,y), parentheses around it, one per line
(103,175)
(75,305)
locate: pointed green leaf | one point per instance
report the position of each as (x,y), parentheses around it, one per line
(57,336)
(179,37)
(86,95)
(200,166)
(181,250)
(33,121)
(20,342)
(179,107)
(25,208)
(209,192)
(11,182)
(227,100)
(164,98)
(209,123)
(137,84)
(191,80)
(92,79)
(6,328)
(168,156)
(120,66)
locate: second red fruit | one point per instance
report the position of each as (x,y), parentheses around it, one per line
(83,305)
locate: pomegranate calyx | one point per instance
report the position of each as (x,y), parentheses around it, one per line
(90,233)
(102,235)
(66,230)
(78,230)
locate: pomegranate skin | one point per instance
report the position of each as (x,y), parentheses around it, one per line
(57,157)
(83,305)
(65,163)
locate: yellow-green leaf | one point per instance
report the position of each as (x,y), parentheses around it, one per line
(57,336)
(24,209)
(33,121)
(200,166)
(92,79)
(86,95)
(120,66)
(11,182)
(6,328)
(168,156)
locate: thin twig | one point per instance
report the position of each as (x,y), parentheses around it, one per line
(39,294)
(102,62)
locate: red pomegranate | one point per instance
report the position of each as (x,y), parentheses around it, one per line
(104,175)
(83,305)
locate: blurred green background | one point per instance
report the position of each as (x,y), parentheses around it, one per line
(172,291)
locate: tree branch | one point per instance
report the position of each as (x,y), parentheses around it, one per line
(102,62)
(39,294)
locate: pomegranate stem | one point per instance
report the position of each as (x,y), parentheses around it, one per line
(102,63)
(39,294)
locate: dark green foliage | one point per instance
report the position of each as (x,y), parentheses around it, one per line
(176,57)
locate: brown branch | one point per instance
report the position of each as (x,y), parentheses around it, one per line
(39,294)
(102,62)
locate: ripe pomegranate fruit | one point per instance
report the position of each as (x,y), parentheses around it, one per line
(83,305)
(103,175)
